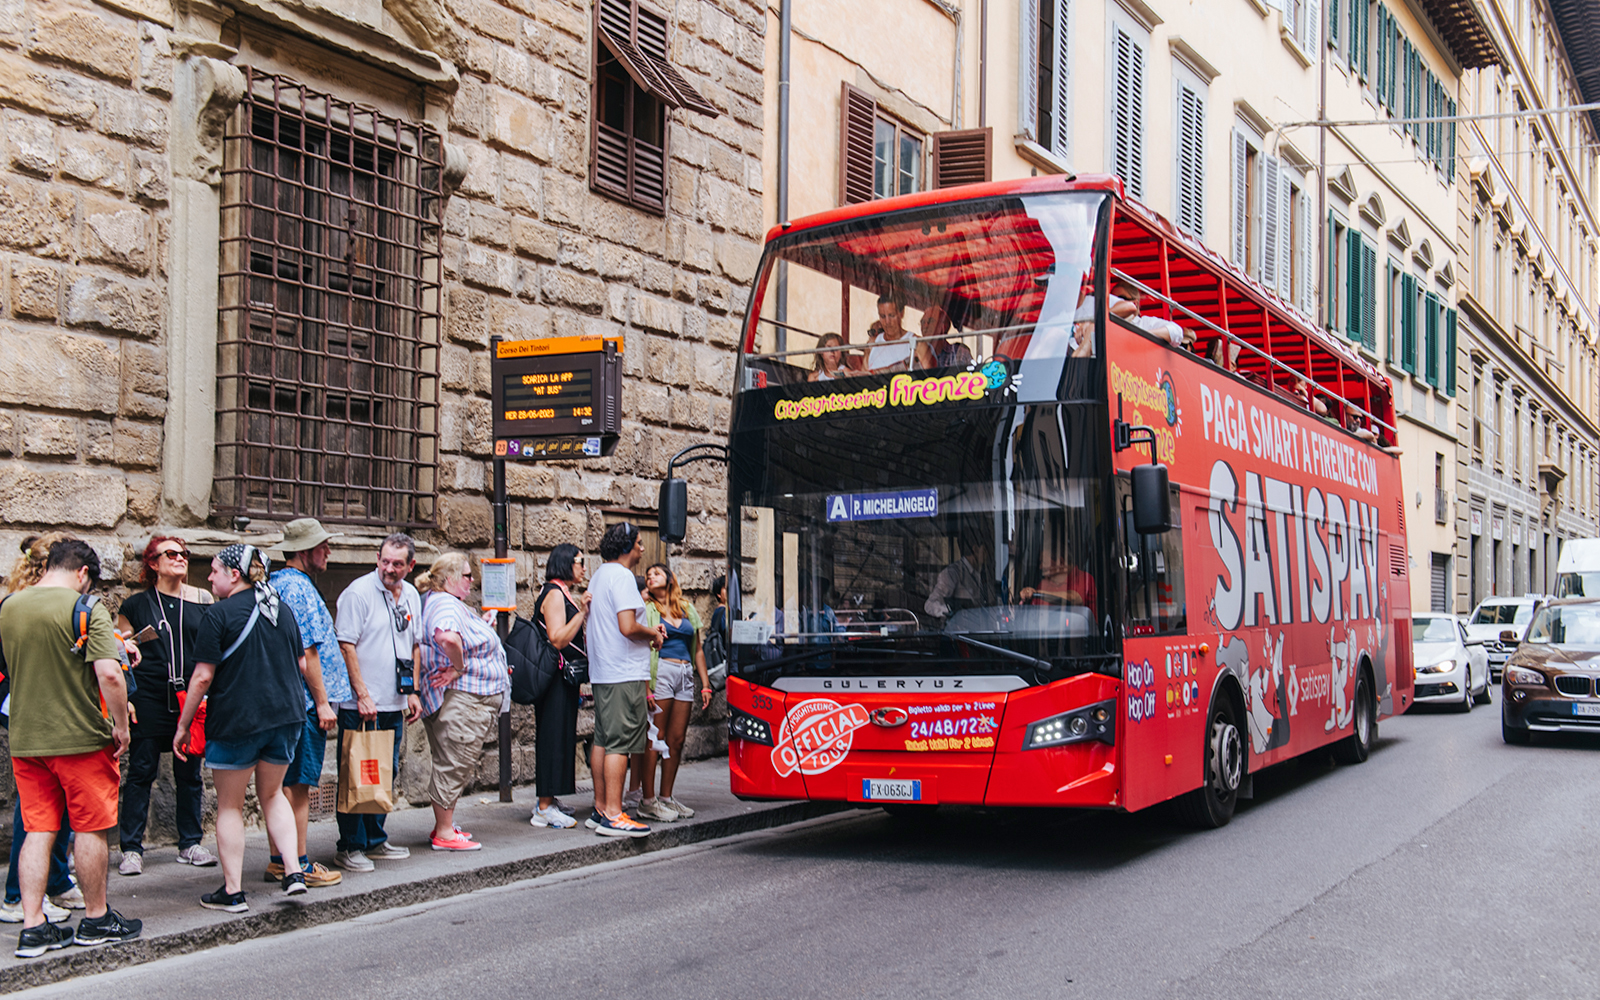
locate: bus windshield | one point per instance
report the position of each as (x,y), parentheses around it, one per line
(972,540)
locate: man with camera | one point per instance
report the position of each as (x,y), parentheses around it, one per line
(305,548)
(377,623)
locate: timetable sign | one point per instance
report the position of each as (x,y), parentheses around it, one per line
(548,388)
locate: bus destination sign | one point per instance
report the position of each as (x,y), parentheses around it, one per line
(567,387)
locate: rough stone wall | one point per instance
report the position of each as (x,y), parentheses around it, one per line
(84,180)
(86,94)
(530,251)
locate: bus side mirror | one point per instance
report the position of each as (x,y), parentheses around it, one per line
(673,510)
(1152,505)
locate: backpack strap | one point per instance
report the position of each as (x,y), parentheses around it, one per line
(249,626)
(82,609)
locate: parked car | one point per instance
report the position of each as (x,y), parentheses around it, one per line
(1578,569)
(1451,668)
(1550,680)
(1500,614)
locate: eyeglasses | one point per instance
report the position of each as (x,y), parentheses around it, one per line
(182,554)
(402,618)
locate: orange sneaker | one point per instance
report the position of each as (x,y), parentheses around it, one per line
(455,842)
(621,825)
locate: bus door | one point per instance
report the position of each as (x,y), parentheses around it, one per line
(1168,673)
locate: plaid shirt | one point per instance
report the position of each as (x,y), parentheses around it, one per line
(482,655)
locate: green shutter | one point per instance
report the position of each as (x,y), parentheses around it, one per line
(1408,323)
(1369,295)
(1352,284)
(1450,152)
(1430,338)
(1388,314)
(1450,352)
(1365,11)
(1353,42)
(1330,285)
(1383,55)
(1333,23)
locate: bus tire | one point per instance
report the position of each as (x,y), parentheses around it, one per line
(1356,747)
(1211,805)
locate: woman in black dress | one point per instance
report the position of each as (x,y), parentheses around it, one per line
(174,609)
(562,617)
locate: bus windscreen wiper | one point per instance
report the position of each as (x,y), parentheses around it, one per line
(1009,654)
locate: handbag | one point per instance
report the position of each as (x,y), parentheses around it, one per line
(197,728)
(534,662)
(366,771)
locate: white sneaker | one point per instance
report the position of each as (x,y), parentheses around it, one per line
(72,899)
(11,913)
(132,863)
(657,810)
(553,817)
(632,800)
(353,861)
(197,855)
(683,811)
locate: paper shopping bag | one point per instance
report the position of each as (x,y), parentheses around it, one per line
(366,771)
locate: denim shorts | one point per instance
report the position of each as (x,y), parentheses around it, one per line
(306,768)
(270,746)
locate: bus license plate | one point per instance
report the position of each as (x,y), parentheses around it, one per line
(1584,708)
(883,790)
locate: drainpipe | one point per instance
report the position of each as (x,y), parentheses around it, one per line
(785,35)
(983,64)
(1322,181)
(953,12)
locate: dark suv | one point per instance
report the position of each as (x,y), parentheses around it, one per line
(1551,683)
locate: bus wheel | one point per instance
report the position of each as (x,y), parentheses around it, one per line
(1356,747)
(1211,805)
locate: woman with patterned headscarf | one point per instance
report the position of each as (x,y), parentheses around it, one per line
(249,662)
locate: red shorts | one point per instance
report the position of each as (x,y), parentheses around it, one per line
(85,785)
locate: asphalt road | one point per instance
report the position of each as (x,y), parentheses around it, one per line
(1448,865)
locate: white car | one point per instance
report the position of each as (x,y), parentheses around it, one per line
(1500,614)
(1452,669)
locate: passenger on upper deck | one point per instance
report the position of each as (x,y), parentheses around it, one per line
(939,352)
(828,365)
(1125,303)
(890,351)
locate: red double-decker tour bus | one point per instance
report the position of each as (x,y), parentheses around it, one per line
(1033,500)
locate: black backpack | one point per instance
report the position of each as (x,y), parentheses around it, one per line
(534,662)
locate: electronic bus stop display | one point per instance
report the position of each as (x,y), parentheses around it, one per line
(556,398)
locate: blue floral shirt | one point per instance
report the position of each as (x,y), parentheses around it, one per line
(316,629)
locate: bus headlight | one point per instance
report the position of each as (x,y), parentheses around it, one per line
(744,726)
(1522,675)
(1092,722)
(1442,667)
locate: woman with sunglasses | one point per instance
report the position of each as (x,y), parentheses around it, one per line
(174,610)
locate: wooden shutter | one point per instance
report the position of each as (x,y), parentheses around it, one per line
(1313,17)
(1364,12)
(1451,361)
(858,113)
(1450,149)
(1408,323)
(1272,180)
(1061,139)
(1127,149)
(1241,211)
(1191,159)
(1381,80)
(1352,284)
(1389,314)
(1028,74)
(963,157)
(1369,295)
(1333,23)
(1431,338)
(1285,234)
(1307,299)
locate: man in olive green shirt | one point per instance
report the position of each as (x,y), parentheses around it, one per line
(69,724)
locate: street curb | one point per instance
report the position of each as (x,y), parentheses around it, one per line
(285,916)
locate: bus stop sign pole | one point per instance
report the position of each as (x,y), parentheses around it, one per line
(502,620)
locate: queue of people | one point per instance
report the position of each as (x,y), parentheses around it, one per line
(250,678)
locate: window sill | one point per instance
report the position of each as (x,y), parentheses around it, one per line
(1293,45)
(1260,7)
(1040,157)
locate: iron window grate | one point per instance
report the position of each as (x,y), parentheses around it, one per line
(329,316)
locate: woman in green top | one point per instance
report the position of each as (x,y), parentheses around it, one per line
(677,675)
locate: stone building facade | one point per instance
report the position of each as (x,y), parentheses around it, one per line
(254,252)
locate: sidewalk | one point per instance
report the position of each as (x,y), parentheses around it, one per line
(167,896)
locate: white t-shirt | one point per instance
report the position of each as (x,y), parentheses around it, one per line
(887,352)
(613,657)
(366,620)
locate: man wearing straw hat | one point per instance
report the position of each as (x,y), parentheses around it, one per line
(305,549)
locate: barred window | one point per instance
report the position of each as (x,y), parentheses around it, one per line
(329,320)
